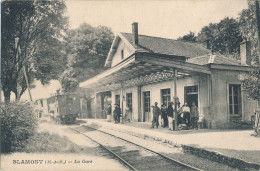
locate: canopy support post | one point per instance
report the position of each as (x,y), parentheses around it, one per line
(122,103)
(175,100)
(95,104)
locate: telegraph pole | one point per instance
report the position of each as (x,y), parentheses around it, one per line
(24,71)
(17,68)
(258,24)
(27,83)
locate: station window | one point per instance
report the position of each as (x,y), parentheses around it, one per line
(129,101)
(41,103)
(192,89)
(166,96)
(235,99)
(69,101)
(122,54)
(147,101)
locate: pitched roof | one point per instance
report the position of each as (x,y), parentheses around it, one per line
(215,59)
(194,52)
(167,46)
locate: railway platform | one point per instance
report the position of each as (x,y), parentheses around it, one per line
(232,147)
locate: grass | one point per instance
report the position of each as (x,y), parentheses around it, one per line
(45,142)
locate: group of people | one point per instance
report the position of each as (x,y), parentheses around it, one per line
(117,113)
(186,115)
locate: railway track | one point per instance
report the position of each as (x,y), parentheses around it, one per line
(132,155)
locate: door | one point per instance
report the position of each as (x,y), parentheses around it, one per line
(147,107)
(69,104)
(129,104)
(191,95)
(89,110)
(117,99)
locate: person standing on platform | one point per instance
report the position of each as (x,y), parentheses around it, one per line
(156,114)
(180,115)
(194,114)
(186,112)
(170,115)
(164,115)
(115,113)
(118,113)
(127,114)
(109,110)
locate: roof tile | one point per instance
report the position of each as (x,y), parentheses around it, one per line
(167,46)
(195,52)
(218,59)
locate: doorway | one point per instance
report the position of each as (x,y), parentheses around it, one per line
(191,95)
(117,99)
(89,110)
(147,108)
(105,101)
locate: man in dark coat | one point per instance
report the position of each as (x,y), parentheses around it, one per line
(156,114)
(164,115)
(117,112)
(170,115)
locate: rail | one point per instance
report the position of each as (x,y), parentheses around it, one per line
(171,160)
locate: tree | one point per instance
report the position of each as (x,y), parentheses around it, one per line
(250,28)
(251,84)
(86,51)
(38,26)
(188,37)
(224,37)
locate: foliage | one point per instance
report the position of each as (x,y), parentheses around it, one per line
(86,51)
(248,28)
(224,37)
(18,123)
(69,80)
(251,84)
(38,25)
(45,142)
(188,37)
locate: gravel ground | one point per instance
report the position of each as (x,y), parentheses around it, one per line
(87,157)
(233,143)
(175,153)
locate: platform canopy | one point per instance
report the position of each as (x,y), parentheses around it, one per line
(142,68)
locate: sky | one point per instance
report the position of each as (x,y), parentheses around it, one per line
(165,18)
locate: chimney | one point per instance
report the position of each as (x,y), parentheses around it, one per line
(135,33)
(245,53)
(207,44)
(58,92)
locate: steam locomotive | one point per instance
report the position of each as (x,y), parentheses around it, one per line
(64,108)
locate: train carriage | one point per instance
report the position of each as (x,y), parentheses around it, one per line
(64,108)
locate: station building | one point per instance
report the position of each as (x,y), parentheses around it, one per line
(143,70)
